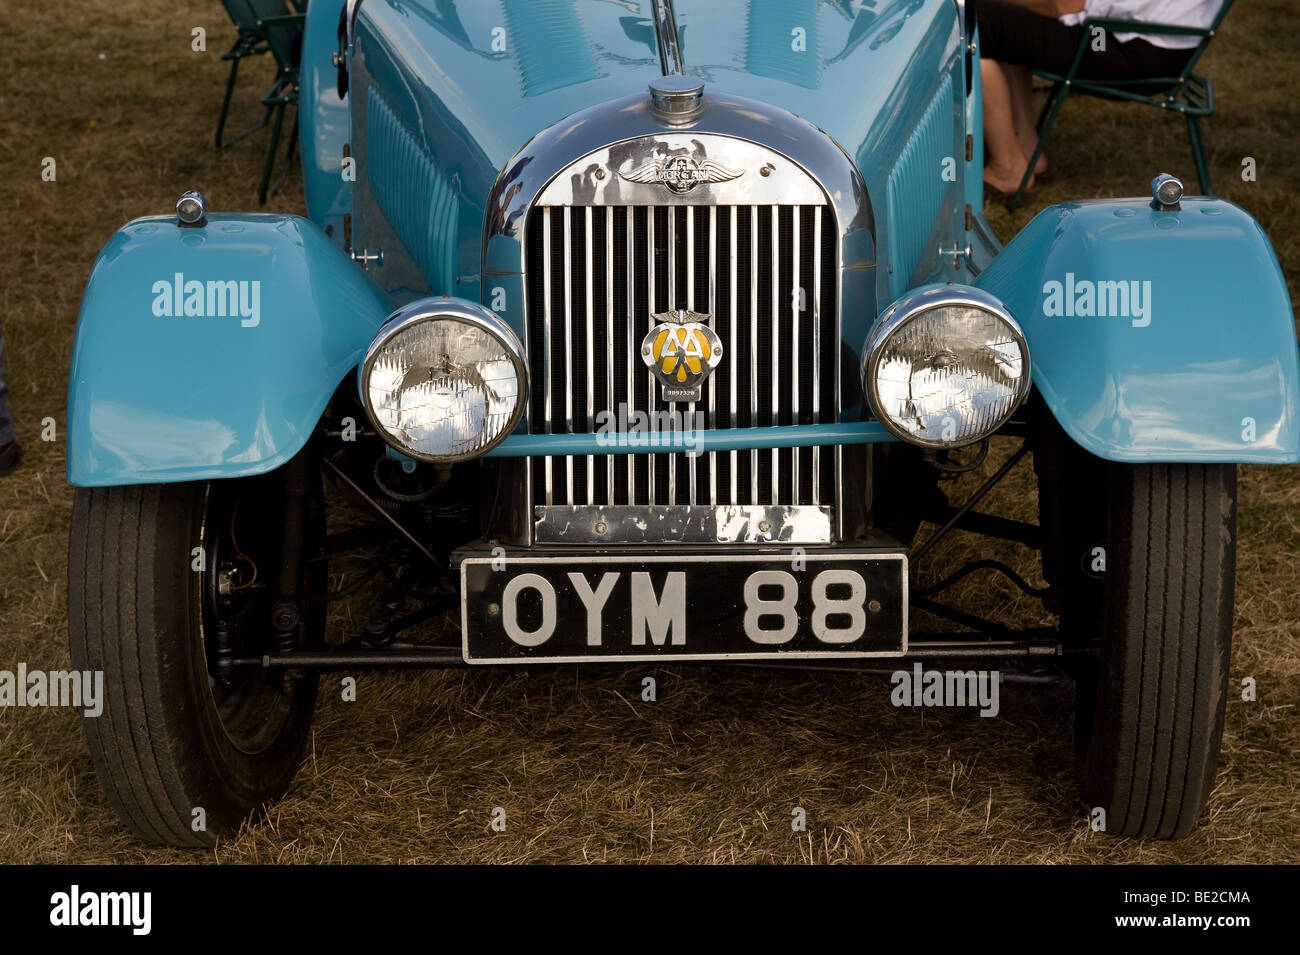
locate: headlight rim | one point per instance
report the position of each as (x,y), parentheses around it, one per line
(445,309)
(912,305)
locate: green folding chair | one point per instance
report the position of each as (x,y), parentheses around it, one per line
(248,42)
(1188,93)
(283,32)
(266,26)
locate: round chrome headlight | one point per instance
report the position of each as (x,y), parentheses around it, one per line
(945,366)
(444,381)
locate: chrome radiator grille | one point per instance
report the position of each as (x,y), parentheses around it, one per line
(767,276)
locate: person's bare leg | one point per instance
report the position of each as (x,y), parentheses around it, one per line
(1020,82)
(1006,160)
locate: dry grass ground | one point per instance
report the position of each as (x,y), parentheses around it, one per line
(585,770)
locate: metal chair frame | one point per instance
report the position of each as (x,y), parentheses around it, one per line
(1188,93)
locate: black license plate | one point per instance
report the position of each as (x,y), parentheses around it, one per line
(560,609)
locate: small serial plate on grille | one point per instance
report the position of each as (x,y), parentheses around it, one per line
(548,609)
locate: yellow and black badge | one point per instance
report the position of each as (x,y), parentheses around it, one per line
(682,351)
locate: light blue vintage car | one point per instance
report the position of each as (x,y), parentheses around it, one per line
(646,334)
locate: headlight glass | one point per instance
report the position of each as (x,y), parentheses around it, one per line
(948,374)
(444,388)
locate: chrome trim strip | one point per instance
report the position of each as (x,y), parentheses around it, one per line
(776,346)
(753,347)
(713,324)
(734,369)
(839,475)
(796,329)
(682,523)
(650,301)
(351,8)
(817,347)
(690,304)
(590,283)
(546,345)
(568,347)
(631,342)
(670,51)
(609,339)
(839,409)
(670,303)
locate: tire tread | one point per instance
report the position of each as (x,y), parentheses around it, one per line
(1159,723)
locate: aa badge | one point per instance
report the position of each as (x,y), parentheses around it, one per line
(682,351)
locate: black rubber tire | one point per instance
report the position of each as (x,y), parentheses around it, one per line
(1149,720)
(159,747)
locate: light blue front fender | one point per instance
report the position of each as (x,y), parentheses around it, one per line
(1201,365)
(226,376)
